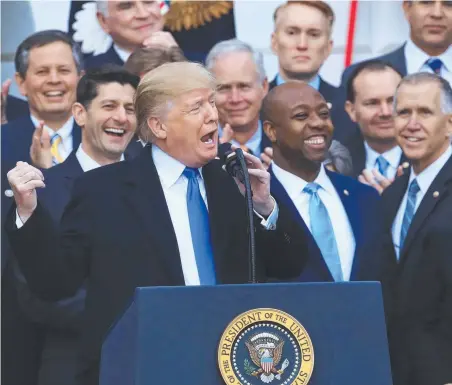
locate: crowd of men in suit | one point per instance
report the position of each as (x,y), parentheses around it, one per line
(111,180)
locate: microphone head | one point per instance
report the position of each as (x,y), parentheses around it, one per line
(224,150)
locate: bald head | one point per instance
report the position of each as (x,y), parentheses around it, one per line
(297,121)
(282,98)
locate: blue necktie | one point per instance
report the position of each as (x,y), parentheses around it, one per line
(383,165)
(199,228)
(409,211)
(322,231)
(435,65)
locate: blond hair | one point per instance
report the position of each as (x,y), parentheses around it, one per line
(161,86)
(322,6)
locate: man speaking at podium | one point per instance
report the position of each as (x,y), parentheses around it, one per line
(170,217)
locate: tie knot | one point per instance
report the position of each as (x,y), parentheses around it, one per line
(435,64)
(191,173)
(382,164)
(414,187)
(311,188)
(55,137)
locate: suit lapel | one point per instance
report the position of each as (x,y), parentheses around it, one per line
(72,170)
(143,193)
(348,199)
(437,191)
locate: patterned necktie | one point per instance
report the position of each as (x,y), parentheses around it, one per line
(435,65)
(383,165)
(54,142)
(199,227)
(322,231)
(409,211)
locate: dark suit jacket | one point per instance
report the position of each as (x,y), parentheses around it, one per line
(418,288)
(362,205)
(109,57)
(16,141)
(16,108)
(117,232)
(395,58)
(358,153)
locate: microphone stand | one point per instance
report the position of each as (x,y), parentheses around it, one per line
(250,216)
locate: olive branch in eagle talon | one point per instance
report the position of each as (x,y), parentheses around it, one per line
(185,14)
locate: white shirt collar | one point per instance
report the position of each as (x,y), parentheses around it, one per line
(168,168)
(392,156)
(426,177)
(416,58)
(65,131)
(123,54)
(294,185)
(86,162)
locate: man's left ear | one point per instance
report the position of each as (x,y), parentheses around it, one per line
(79,113)
(265,86)
(449,126)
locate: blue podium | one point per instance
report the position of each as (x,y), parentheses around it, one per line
(278,334)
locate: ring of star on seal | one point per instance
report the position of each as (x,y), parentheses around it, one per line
(265,346)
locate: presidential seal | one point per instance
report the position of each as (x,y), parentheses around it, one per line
(265,346)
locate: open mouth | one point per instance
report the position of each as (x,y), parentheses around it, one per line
(208,138)
(412,139)
(117,132)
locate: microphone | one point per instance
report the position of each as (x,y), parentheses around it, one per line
(235,165)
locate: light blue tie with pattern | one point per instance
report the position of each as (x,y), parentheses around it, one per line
(409,211)
(200,229)
(322,231)
(383,165)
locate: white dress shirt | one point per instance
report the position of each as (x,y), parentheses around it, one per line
(342,229)
(416,58)
(86,162)
(65,132)
(122,53)
(175,184)
(392,156)
(424,180)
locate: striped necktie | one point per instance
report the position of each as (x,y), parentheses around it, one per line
(409,211)
(54,143)
(383,165)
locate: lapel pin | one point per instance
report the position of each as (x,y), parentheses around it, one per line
(346,193)
(405,165)
(436,194)
(9,193)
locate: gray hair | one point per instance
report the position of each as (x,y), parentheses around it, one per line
(426,77)
(340,157)
(39,39)
(232,46)
(102,7)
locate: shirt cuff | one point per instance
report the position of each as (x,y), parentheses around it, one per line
(270,222)
(19,222)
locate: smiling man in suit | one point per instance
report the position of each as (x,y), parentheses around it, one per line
(417,209)
(429,48)
(242,85)
(48,66)
(370,95)
(105,112)
(339,216)
(169,217)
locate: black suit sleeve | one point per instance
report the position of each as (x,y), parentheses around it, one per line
(431,340)
(285,249)
(54,264)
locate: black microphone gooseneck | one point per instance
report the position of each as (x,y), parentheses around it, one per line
(235,165)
